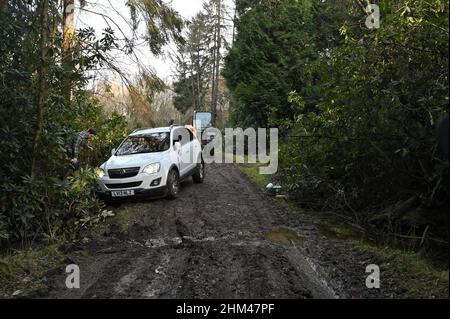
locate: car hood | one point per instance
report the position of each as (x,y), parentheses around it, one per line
(136,160)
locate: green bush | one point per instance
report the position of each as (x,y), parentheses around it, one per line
(370,144)
(51,209)
(47,205)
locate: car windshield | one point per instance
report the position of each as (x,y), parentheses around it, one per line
(148,143)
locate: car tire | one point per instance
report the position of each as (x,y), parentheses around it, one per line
(199,175)
(173,184)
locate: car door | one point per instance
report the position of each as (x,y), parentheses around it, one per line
(193,149)
(196,149)
(182,136)
(188,150)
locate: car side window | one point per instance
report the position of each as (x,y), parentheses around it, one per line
(176,137)
(181,135)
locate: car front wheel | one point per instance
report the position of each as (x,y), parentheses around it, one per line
(173,185)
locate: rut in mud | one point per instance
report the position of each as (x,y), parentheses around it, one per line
(221,239)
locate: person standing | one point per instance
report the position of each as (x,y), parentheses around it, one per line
(80,141)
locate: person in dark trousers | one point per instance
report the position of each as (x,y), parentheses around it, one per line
(79,141)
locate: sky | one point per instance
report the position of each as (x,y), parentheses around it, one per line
(116,15)
(187,8)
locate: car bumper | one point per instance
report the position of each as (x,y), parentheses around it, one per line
(142,185)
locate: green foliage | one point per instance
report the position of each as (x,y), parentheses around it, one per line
(52,208)
(23,273)
(111,132)
(163,23)
(420,277)
(79,203)
(371,140)
(4,235)
(196,59)
(357,108)
(184,98)
(274,43)
(376,120)
(48,205)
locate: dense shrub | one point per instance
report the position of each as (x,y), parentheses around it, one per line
(44,203)
(358,125)
(371,141)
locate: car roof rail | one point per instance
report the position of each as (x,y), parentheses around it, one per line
(176,125)
(143,129)
(149,128)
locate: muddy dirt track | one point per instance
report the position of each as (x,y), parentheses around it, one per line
(221,239)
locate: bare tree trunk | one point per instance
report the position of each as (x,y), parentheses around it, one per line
(213,69)
(199,82)
(217,58)
(42,83)
(68,37)
(194,98)
(234,23)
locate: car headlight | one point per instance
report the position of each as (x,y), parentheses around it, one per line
(152,168)
(100,172)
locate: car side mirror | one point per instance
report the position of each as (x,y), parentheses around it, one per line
(113,152)
(177,146)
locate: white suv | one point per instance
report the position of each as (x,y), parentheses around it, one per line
(152,163)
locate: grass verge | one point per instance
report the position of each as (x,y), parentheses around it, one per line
(416,276)
(23,272)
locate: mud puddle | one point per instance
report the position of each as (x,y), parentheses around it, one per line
(285,236)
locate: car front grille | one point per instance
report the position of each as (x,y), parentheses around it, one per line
(124,185)
(123,172)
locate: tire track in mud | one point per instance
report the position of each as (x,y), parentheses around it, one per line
(209,243)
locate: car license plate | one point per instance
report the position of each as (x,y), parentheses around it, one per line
(122,193)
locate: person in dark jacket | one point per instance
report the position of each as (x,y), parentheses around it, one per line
(80,141)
